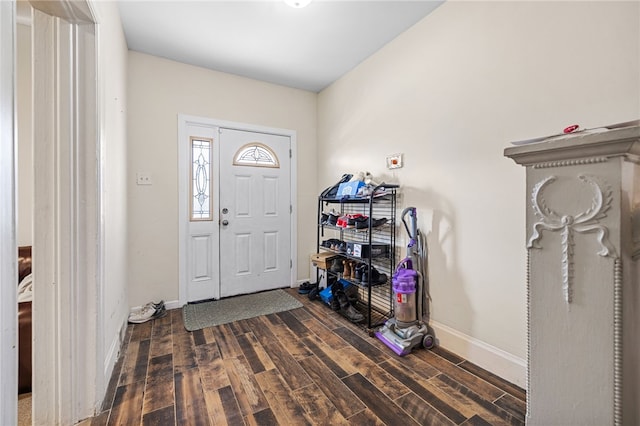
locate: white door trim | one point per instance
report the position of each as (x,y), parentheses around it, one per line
(184,121)
(8,249)
(67,233)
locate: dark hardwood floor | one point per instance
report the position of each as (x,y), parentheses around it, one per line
(302,367)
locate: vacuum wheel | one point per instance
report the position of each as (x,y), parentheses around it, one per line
(428,341)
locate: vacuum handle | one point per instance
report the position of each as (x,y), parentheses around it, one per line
(411,211)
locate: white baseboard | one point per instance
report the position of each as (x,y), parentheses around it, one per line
(172,304)
(495,360)
(113,352)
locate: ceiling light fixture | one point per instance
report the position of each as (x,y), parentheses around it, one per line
(298,4)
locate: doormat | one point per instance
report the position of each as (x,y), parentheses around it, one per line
(197,316)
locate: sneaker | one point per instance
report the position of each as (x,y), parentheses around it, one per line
(342,221)
(145,314)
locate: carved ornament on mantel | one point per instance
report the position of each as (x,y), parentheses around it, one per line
(585,222)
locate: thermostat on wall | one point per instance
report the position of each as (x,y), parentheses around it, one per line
(394,161)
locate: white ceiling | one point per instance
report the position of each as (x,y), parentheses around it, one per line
(267,40)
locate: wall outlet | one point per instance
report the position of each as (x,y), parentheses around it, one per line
(394,161)
(143,179)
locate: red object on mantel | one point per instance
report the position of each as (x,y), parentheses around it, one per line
(571,129)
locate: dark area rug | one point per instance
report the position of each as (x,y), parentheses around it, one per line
(208,314)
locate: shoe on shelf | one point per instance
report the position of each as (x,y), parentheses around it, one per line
(332,219)
(374,223)
(376,277)
(336,265)
(346,308)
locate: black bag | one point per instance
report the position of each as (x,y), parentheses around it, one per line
(332,191)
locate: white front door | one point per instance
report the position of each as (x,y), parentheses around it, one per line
(236,213)
(255,212)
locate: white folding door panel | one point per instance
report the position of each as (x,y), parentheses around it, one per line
(255,212)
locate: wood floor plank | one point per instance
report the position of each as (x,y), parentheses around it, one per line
(101,419)
(142,331)
(198,337)
(286,410)
(160,365)
(245,387)
(377,401)
(326,355)
(473,382)
(110,393)
(213,374)
(485,408)
(338,393)
(249,351)
(229,403)
(322,332)
(261,418)
(422,412)
(318,406)
(513,405)
(365,418)
(294,324)
(371,352)
(449,356)
(378,376)
(301,313)
(229,347)
(127,405)
(476,420)
(426,391)
(183,352)
(191,408)
(162,417)
(286,364)
(215,410)
(287,338)
(158,393)
(135,365)
(161,340)
(514,390)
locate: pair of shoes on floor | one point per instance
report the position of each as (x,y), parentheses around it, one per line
(148,312)
(306,287)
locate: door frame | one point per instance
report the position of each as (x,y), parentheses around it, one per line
(184,121)
(68,243)
(8,248)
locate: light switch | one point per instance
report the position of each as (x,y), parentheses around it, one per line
(143,178)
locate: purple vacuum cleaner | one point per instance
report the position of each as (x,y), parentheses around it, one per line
(406,330)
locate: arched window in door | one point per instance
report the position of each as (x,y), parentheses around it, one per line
(256,154)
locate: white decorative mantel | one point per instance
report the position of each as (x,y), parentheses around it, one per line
(583,295)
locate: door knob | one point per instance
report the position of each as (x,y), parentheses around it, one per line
(225,222)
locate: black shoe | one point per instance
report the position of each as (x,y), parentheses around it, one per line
(306,287)
(336,265)
(314,293)
(374,223)
(347,308)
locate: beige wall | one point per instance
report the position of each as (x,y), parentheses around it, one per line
(451,93)
(25,143)
(158,91)
(112,75)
